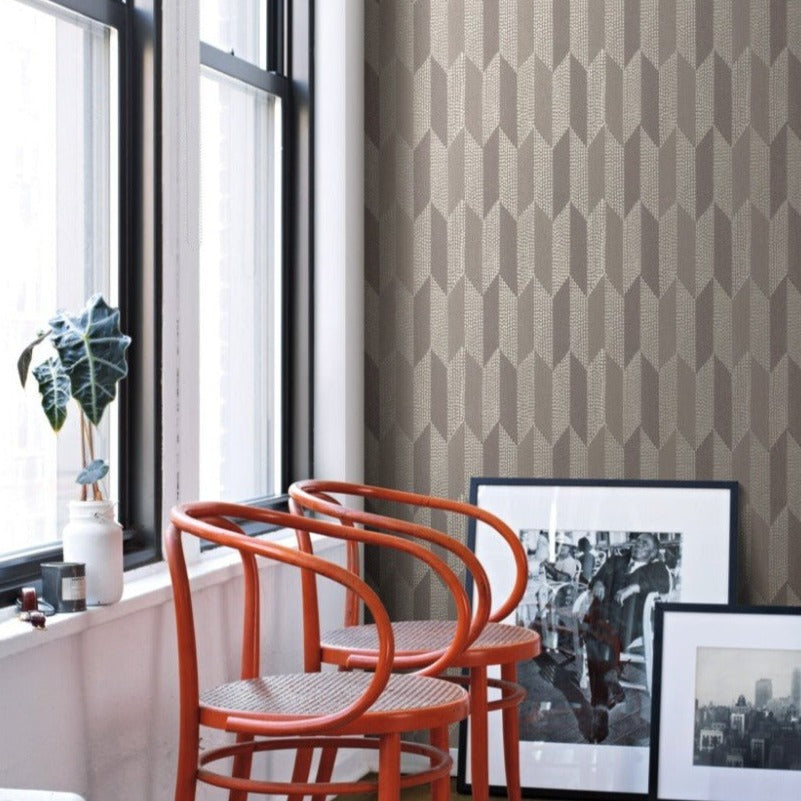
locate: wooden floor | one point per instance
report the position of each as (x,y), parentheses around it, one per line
(422,793)
(415,794)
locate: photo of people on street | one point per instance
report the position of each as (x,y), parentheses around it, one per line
(591,596)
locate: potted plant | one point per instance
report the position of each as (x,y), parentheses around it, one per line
(88,361)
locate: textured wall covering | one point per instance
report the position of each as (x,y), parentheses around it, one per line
(583,253)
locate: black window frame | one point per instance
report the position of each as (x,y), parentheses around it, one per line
(290,59)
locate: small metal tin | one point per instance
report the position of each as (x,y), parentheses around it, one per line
(64,585)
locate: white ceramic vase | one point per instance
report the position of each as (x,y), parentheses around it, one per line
(94,537)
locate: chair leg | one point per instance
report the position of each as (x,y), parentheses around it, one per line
(300,773)
(389,752)
(479,742)
(441,789)
(325,769)
(511,739)
(186,773)
(241,768)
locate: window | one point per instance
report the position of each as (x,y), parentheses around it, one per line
(59,166)
(61,226)
(81,181)
(243,173)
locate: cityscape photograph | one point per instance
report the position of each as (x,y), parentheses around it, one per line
(747,704)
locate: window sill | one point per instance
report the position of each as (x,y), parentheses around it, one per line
(145,587)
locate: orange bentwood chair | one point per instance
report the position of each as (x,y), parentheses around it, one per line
(309,714)
(492,642)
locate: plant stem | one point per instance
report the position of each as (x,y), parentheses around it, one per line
(84,492)
(83,440)
(97,495)
(88,440)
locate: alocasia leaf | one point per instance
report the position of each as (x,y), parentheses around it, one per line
(92,351)
(92,473)
(24,361)
(54,386)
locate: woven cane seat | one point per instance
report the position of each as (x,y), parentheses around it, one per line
(320,694)
(505,641)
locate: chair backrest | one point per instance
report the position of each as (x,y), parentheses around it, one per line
(220,523)
(318,496)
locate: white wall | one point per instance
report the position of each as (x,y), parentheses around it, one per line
(339,240)
(180,248)
(90,704)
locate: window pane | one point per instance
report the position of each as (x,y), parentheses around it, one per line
(240,232)
(236,26)
(59,231)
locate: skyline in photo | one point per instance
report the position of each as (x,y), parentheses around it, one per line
(724,674)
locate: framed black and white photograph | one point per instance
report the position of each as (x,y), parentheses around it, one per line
(727,703)
(602,556)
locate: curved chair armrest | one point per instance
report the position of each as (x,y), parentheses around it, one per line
(189,518)
(323,503)
(353,560)
(432,663)
(314,487)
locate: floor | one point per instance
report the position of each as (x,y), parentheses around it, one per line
(414,794)
(422,793)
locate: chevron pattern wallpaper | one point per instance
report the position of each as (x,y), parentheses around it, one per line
(583,254)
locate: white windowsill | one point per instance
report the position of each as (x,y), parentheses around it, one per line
(145,587)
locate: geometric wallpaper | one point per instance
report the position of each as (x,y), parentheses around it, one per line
(583,255)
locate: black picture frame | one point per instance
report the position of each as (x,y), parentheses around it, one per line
(726,703)
(695,522)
